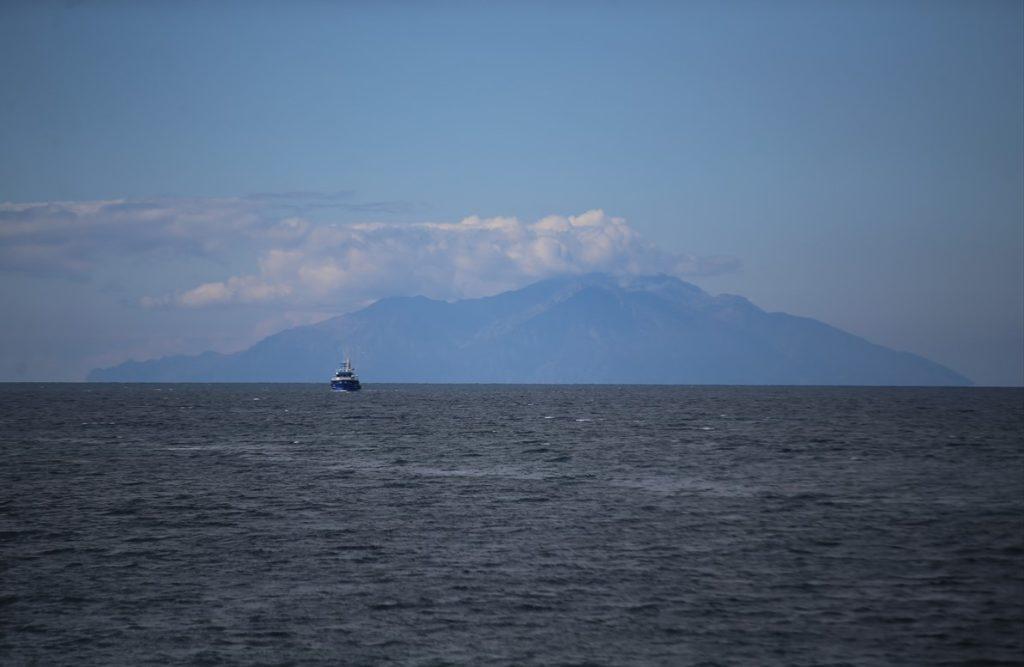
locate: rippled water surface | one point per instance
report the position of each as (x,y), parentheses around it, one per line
(283,524)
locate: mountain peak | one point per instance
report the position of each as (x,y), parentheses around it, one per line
(579,328)
(619,281)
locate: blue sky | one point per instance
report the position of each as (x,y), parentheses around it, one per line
(856,162)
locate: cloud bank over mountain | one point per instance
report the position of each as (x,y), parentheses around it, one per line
(473,257)
(302,262)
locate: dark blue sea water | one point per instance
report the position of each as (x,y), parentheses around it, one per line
(428,525)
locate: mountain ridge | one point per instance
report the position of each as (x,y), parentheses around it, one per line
(594,328)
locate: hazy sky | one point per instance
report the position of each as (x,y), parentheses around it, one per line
(184,176)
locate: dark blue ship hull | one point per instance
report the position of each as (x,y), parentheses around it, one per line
(345,385)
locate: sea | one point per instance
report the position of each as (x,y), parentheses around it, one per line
(274,524)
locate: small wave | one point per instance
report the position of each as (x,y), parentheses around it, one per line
(502,471)
(529,606)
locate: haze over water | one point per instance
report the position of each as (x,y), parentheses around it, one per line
(426,524)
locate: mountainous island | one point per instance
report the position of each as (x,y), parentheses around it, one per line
(579,329)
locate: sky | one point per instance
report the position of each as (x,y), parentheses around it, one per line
(178,177)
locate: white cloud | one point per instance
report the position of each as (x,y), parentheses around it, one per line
(302,264)
(75,237)
(474,257)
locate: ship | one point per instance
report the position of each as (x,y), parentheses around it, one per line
(345,379)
